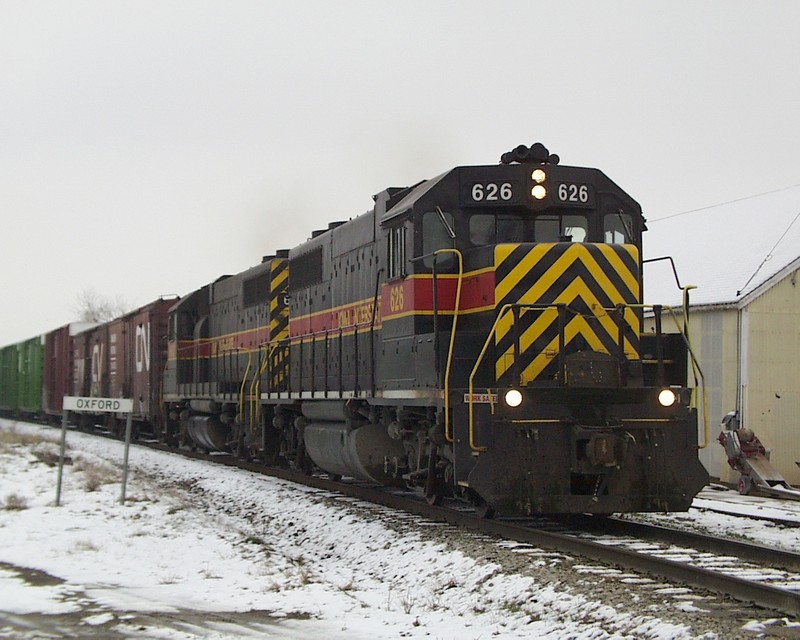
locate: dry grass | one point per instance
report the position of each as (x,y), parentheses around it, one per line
(11,438)
(96,474)
(82,546)
(14,502)
(49,453)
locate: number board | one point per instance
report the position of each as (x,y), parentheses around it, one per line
(490,192)
(575,193)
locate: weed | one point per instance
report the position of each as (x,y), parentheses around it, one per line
(84,545)
(12,437)
(208,574)
(304,576)
(96,474)
(272,586)
(407,601)
(348,586)
(15,502)
(49,453)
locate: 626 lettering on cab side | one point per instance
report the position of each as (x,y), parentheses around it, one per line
(575,193)
(491,192)
(397,299)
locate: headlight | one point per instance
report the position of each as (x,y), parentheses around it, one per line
(513,397)
(667,397)
(538,176)
(539,192)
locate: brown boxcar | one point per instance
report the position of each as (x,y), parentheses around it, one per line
(81,363)
(116,358)
(59,365)
(98,353)
(125,358)
(145,348)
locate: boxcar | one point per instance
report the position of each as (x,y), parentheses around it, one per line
(59,365)
(21,376)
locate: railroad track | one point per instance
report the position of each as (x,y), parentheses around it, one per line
(745,572)
(777,520)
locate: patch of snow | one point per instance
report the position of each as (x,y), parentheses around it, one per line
(207,539)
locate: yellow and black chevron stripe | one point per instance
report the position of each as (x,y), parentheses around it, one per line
(279,322)
(589,279)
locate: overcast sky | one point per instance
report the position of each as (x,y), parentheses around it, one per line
(147,148)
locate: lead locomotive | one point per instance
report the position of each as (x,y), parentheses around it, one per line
(477,335)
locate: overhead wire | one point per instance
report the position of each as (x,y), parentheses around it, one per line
(721,204)
(768,257)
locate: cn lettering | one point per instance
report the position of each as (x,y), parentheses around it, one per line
(142,347)
(98,352)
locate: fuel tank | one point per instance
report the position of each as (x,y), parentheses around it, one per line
(366,452)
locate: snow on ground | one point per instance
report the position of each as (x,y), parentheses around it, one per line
(705,517)
(197,546)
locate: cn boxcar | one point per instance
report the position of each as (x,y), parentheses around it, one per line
(58,365)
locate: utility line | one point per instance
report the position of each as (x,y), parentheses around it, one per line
(712,206)
(768,256)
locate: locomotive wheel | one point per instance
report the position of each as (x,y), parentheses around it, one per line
(434,485)
(434,499)
(482,509)
(302,462)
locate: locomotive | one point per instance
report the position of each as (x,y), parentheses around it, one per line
(477,335)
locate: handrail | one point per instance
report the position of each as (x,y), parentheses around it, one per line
(273,346)
(504,310)
(696,370)
(340,329)
(448,431)
(471,384)
(325,332)
(244,378)
(255,386)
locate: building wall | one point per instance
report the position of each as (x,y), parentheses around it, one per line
(771,367)
(714,335)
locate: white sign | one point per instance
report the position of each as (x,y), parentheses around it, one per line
(98,405)
(481,398)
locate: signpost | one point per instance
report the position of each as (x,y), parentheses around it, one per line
(95,405)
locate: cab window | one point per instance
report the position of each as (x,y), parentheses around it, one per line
(481,229)
(487,228)
(618,228)
(436,228)
(560,229)
(396,252)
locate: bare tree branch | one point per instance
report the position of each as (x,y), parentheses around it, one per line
(93,307)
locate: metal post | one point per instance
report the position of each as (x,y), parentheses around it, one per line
(64,418)
(125,458)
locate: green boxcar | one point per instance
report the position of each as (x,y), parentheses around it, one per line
(31,366)
(9,377)
(21,367)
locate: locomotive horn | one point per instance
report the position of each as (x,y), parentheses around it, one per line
(522,153)
(536,153)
